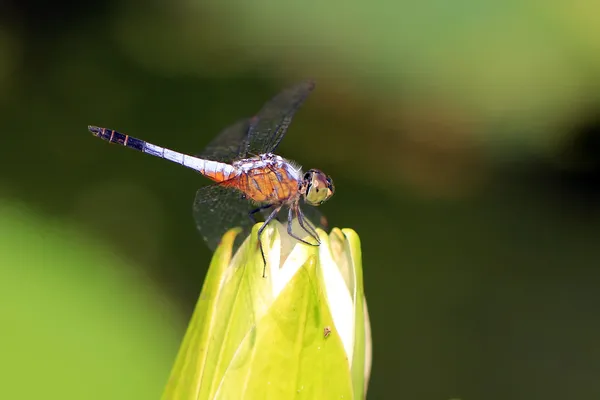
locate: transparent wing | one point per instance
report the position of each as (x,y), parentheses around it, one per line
(261,133)
(228,145)
(218,208)
(269,126)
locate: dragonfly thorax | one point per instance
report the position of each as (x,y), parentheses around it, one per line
(268,179)
(268,160)
(275,179)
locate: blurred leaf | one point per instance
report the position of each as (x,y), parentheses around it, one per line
(77,322)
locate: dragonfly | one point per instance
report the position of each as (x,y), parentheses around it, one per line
(248,177)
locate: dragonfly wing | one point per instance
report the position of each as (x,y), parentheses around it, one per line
(228,145)
(268,127)
(218,208)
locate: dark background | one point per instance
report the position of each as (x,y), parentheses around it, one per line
(463,139)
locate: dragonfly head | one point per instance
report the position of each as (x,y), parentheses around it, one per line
(318,187)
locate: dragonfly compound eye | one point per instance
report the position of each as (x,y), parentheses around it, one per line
(319,187)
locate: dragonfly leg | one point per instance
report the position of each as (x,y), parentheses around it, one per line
(289,228)
(251,213)
(260,231)
(302,220)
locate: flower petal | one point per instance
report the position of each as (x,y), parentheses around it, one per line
(286,354)
(190,365)
(338,295)
(290,334)
(361,363)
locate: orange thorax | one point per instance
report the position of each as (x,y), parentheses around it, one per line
(269,184)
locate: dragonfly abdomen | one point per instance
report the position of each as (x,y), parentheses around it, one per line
(113,136)
(214,170)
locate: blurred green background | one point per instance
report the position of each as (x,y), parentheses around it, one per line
(463,139)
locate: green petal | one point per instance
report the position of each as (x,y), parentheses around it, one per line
(233,298)
(190,366)
(244,299)
(362,340)
(287,354)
